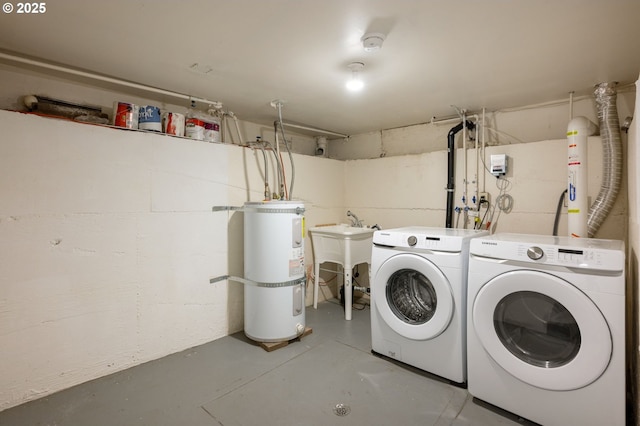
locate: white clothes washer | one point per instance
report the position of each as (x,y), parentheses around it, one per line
(546,328)
(418,298)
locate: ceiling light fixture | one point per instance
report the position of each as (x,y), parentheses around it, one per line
(372,42)
(355,83)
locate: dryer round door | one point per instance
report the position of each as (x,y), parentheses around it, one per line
(413,296)
(542,330)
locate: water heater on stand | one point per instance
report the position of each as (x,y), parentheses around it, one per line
(274,302)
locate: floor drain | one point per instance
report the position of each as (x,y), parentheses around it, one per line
(342,410)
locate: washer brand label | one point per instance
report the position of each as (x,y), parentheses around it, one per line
(488,243)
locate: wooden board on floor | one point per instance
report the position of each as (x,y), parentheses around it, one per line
(272,346)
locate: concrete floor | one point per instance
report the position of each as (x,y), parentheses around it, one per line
(232,381)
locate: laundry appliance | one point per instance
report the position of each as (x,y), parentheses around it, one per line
(418,298)
(546,327)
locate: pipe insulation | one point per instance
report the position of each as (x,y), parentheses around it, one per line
(606,95)
(451,158)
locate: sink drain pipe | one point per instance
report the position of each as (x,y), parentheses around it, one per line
(451,163)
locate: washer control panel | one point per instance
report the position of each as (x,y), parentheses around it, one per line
(423,238)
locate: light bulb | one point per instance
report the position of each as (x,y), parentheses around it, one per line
(355,83)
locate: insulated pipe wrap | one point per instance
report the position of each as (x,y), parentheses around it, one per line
(605,94)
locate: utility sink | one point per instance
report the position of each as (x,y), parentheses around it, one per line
(343,231)
(343,244)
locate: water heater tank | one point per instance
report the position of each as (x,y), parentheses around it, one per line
(274,304)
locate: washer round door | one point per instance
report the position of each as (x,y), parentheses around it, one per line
(413,296)
(542,330)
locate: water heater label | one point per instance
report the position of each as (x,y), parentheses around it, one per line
(296,267)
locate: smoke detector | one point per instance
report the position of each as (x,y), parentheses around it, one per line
(372,41)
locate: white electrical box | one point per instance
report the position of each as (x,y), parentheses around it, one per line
(498,164)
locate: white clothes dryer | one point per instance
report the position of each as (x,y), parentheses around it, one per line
(546,328)
(418,298)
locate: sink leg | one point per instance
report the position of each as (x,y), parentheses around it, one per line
(316,284)
(348,296)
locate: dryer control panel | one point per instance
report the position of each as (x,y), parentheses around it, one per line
(561,256)
(604,255)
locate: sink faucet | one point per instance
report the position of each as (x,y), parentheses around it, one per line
(354,219)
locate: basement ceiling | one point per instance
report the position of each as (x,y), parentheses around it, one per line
(436,54)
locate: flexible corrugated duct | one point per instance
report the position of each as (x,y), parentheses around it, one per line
(606,94)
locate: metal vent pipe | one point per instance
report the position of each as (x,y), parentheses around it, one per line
(606,94)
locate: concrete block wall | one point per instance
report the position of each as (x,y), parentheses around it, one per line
(108,243)
(396,191)
(510,126)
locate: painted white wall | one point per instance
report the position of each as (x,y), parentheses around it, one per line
(633,161)
(396,191)
(504,127)
(108,243)
(15,83)
(407,185)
